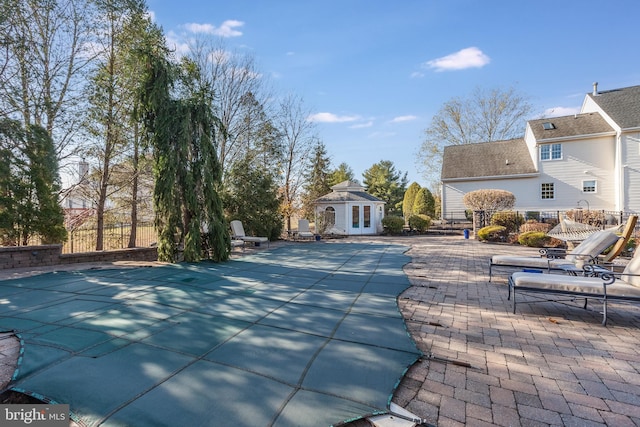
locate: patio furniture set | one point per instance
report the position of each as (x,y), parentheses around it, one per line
(584,273)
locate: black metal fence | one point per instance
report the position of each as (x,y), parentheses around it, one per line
(116,236)
(598,218)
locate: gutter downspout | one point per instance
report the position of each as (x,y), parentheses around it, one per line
(621,201)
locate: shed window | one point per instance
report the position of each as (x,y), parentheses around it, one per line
(548,126)
(589,186)
(355,216)
(367,217)
(547,191)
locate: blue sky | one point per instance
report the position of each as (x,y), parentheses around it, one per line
(375,72)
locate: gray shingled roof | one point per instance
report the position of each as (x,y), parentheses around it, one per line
(622,105)
(347,196)
(486,159)
(567,126)
(348,191)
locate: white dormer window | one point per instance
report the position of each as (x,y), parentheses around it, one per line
(551,152)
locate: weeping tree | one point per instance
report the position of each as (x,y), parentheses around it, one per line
(182,132)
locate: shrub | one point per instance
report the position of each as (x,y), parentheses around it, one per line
(393,224)
(493,233)
(533,225)
(419,223)
(508,219)
(534,239)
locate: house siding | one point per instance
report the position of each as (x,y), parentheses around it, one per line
(453,194)
(591,159)
(631,171)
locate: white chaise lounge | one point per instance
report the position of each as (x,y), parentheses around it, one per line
(623,287)
(237,233)
(585,253)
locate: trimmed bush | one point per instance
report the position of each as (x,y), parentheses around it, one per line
(393,224)
(493,233)
(508,219)
(420,223)
(534,239)
(533,225)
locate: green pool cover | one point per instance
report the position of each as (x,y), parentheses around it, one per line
(303,335)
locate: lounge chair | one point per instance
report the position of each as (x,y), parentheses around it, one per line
(586,252)
(303,230)
(627,234)
(237,233)
(624,287)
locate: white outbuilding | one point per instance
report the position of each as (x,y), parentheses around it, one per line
(349,210)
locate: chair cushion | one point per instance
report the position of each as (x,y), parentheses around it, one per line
(594,245)
(631,273)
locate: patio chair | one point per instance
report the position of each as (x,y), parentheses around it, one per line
(595,283)
(627,234)
(586,252)
(303,230)
(237,233)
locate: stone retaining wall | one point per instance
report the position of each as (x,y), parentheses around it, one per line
(45,255)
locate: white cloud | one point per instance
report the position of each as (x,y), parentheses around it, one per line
(560,111)
(227,29)
(403,119)
(362,125)
(331,118)
(470,57)
(416,75)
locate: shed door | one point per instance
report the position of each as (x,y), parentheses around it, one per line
(361,219)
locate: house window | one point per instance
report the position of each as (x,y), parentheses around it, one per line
(589,186)
(546,190)
(551,152)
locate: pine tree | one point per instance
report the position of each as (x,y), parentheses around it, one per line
(382,180)
(29,186)
(342,173)
(317,180)
(252,197)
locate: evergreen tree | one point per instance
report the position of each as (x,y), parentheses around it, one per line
(43,171)
(252,197)
(186,168)
(382,180)
(342,173)
(29,186)
(424,203)
(408,200)
(317,180)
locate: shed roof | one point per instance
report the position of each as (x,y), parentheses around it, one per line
(622,105)
(485,159)
(569,126)
(348,191)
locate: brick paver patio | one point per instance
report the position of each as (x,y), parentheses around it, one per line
(549,364)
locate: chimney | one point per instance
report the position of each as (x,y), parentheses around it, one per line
(595,88)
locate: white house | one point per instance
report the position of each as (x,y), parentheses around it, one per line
(350,210)
(589,160)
